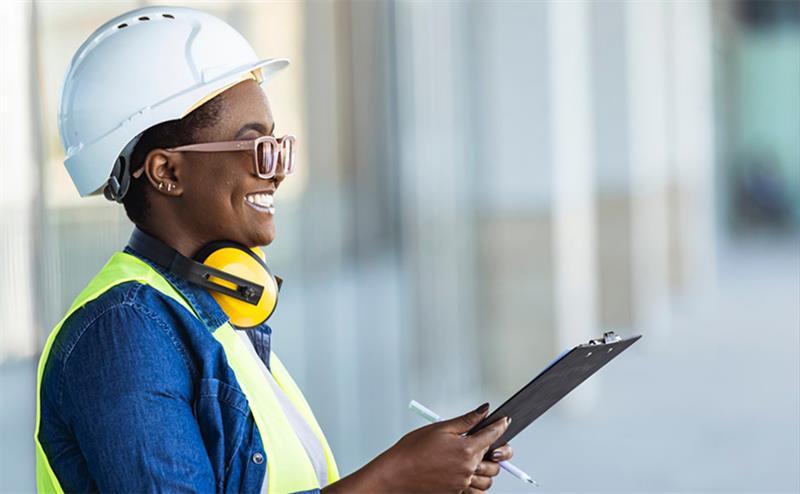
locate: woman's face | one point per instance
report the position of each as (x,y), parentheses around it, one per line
(215,186)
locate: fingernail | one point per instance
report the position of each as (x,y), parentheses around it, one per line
(508,420)
(483,408)
(497,454)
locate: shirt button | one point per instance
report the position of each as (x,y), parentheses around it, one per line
(258,458)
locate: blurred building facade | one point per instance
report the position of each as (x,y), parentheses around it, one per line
(482,185)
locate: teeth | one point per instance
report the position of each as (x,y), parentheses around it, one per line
(265,200)
(262,201)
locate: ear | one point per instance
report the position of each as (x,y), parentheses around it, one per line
(164,171)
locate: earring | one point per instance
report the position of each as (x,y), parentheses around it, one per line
(160,185)
(170,186)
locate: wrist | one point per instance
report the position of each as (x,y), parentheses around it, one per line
(375,476)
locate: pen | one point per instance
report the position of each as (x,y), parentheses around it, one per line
(431,416)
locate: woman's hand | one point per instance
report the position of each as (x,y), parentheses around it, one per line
(435,458)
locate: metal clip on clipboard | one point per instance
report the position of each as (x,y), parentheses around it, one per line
(608,337)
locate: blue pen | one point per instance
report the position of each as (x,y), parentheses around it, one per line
(431,416)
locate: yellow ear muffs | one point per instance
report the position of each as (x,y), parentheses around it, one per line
(248,264)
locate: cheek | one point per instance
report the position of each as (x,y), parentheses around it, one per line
(209,196)
(215,195)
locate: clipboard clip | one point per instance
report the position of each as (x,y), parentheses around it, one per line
(608,337)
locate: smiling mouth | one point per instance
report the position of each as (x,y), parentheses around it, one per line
(261,201)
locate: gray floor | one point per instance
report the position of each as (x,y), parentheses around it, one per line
(712,406)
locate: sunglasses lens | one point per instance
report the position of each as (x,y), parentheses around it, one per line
(287,156)
(266,162)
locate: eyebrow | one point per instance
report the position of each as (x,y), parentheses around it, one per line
(257,126)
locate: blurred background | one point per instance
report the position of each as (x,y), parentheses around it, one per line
(483,184)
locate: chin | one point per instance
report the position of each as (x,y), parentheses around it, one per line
(264,237)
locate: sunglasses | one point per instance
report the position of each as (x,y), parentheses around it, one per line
(267,152)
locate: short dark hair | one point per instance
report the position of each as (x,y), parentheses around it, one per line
(165,135)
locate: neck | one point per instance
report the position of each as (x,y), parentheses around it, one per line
(173,234)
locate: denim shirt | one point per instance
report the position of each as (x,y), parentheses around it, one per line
(137,396)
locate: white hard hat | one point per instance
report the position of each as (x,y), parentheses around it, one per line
(142,68)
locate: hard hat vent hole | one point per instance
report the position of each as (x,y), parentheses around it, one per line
(144,18)
(122,25)
(168,16)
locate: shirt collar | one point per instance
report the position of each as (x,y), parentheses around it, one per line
(198,297)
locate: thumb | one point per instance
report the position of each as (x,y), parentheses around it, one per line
(467,421)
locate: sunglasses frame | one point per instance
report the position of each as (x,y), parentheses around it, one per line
(250,145)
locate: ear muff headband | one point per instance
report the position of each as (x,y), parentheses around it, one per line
(237,277)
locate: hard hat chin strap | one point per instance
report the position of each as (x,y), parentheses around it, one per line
(120,180)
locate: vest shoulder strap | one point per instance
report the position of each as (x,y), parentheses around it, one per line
(121,268)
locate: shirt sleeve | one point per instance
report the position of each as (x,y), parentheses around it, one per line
(127,391)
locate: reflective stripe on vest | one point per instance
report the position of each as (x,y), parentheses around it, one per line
(288,466)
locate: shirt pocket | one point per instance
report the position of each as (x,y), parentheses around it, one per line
(222,411)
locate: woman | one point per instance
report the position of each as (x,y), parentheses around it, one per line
(150,382)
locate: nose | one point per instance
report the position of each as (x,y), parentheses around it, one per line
(280,171)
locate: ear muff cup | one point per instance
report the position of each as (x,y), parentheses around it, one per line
(246,263)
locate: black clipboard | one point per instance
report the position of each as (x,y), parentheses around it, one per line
(564,374)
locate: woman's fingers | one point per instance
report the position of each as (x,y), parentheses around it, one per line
(487,469)
(482,479)
(502,453)
(480,483)
(465,422)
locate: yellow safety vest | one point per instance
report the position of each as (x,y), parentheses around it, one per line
(288,467)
